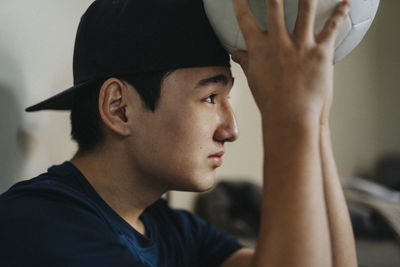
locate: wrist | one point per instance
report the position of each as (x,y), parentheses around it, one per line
(290,121)
(290,130)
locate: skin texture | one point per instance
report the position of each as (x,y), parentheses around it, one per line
(175,141)
(149,153)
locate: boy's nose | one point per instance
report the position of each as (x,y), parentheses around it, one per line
(227,130)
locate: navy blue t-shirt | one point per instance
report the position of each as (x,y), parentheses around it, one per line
(58,219)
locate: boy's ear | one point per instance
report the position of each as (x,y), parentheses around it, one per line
(113,99)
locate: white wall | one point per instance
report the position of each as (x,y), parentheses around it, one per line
(366,114)
(36,46)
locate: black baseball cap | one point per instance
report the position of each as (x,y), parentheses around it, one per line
(122,37)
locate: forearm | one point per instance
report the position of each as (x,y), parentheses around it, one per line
(290,82)
(341,233)
(294,226)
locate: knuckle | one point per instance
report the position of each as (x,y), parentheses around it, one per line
(305,6)
(274,4)
(240,14)
(341,12)
(258,44)
(319,54)
(302,48)
(333,24)
(336,20)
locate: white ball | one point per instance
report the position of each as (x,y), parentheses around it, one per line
(222,17)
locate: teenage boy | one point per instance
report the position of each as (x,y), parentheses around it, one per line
(150,113)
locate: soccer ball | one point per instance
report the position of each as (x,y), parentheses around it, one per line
(222,17)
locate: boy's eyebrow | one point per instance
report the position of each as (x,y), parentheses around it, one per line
(220,78)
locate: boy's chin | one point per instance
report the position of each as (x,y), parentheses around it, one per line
(200,185)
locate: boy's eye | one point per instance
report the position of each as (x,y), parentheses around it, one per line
(210,98)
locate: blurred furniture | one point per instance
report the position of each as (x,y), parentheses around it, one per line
(234,208)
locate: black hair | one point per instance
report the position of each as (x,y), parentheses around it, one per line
(86,123)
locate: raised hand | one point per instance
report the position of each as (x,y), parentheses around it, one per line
(290,75)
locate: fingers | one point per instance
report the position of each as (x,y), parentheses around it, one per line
(304,28)
(276,17)
(246,20)
(240,57)
(333,24)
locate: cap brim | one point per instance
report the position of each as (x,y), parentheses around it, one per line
(61,101)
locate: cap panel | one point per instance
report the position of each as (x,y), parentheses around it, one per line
(117,37)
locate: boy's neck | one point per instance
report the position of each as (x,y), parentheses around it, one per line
(115,180)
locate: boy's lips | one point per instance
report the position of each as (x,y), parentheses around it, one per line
(217,158)
(218,154)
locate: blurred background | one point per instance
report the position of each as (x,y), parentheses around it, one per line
(36,47)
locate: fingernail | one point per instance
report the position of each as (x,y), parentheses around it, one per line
(346,6)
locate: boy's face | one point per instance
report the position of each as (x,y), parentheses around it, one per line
(173,147)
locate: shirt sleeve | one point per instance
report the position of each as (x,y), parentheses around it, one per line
(215,246)
(42,229)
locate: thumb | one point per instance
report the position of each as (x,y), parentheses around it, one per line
(240,57)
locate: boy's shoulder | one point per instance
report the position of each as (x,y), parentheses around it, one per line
(58,215)
(49,219)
